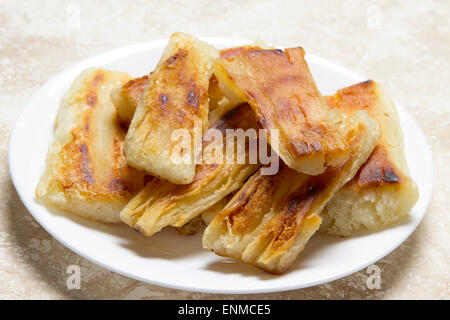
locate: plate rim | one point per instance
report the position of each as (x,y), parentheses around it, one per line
(112,55)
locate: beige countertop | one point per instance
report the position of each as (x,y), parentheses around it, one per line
(405,45)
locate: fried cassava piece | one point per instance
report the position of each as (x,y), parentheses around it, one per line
(126,97)
(271,218)
(382,192)
(162,204)
(279,87)
(86,172)
(176,97)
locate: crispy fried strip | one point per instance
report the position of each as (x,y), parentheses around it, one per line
(126,98)
(279,87)
(86,172)
(271,218)
(382,192)
(162,204)
(176,98)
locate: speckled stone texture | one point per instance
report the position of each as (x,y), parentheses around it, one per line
(405,45)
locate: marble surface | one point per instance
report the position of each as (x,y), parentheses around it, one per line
(405,45)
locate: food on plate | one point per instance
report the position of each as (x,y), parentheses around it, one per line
(338,161)
(176,97)
(126,98)
(192,227)
(209,214)
(382,193)
(161,204)
(279,87)
(271,218)
(86,173)
(215,94)
(220,109)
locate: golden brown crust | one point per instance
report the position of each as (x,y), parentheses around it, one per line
(86,162)
(190,228)
(153,209)
(243,214)
(209,214)
(177,72)
(236,51)
(271,218)
(380,168)
(241,117)
(127,97)
(175,98)
(382,193)
(80,162)
(279,87)
(135,87)
(377,170)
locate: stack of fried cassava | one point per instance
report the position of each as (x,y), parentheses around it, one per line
(341,168)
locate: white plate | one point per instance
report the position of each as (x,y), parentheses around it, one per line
(168,259)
